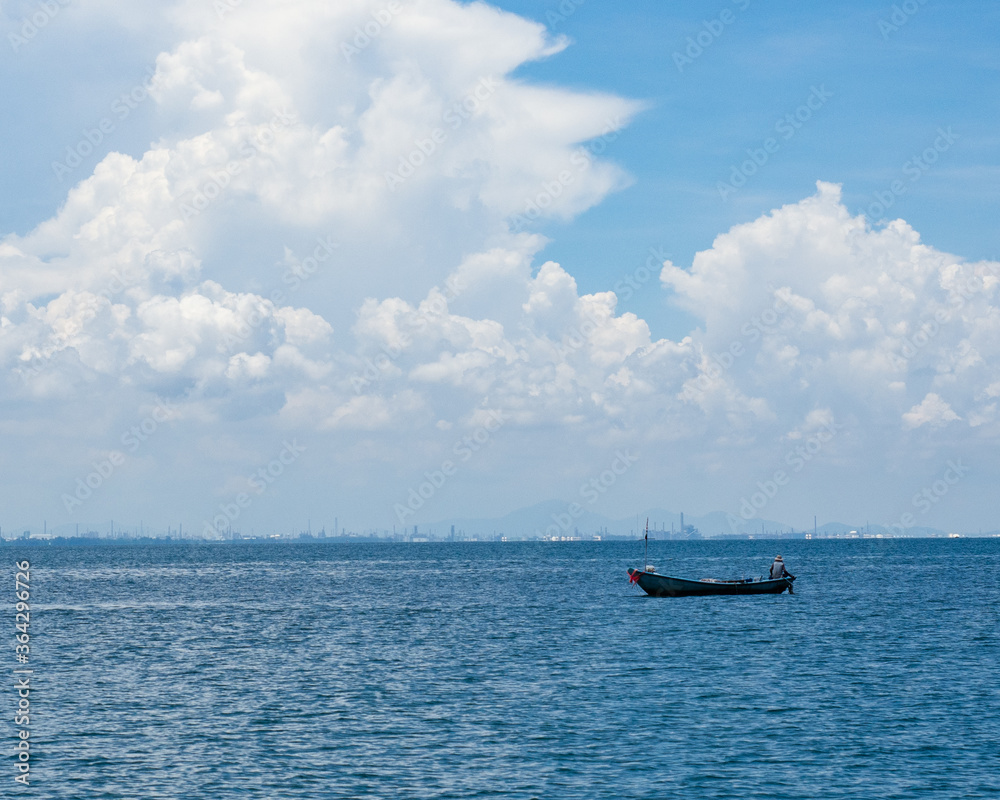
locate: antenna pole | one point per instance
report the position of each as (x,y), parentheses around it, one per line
(645,551)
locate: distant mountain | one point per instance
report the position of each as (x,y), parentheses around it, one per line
(550,518)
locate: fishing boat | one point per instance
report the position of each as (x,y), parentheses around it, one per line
(665,586)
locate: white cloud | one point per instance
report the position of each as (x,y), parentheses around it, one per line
(176,273)
(932,410)
(832,310)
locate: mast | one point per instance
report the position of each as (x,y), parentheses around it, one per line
(645,551)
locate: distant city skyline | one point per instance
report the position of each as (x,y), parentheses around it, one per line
(551,521)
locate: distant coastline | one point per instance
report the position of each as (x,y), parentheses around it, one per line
(549,521)
(125,539)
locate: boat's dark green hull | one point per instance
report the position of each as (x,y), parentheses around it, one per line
(664,586)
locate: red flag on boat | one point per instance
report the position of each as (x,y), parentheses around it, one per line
(634,577)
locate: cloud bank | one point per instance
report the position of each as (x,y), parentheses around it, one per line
(320,244)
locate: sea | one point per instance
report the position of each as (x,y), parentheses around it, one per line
(507,670)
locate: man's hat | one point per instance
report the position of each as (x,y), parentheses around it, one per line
(777,558)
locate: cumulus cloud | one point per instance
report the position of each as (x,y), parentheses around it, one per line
(827,310)
(257,137)
(932,410)
(321,241)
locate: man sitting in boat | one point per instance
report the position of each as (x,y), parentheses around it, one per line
(778,571)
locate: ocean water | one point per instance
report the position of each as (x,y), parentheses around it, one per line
(514,670)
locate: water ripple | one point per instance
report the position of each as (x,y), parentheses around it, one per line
(513,671)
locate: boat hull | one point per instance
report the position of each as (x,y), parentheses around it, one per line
(665,586)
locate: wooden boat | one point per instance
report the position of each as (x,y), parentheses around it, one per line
(665,586)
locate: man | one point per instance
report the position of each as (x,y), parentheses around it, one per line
(778,571)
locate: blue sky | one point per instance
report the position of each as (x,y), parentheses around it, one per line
(892,90)
(230,262)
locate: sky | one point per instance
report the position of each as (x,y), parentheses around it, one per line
(270,265)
